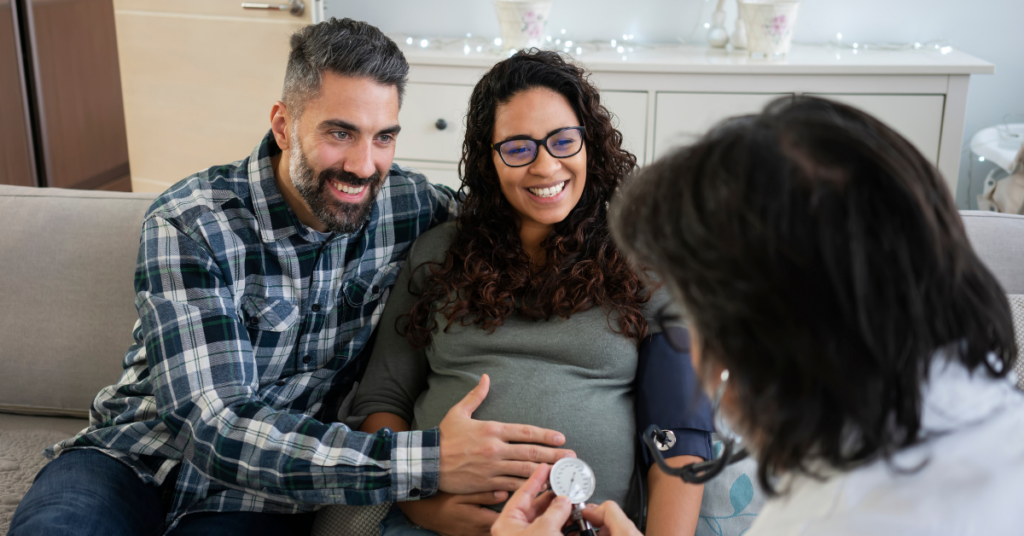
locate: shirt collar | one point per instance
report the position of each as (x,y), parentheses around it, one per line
(954,397)
(276,219)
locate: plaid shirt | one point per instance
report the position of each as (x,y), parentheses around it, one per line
(247,318)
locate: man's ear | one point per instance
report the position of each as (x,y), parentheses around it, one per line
(281,124)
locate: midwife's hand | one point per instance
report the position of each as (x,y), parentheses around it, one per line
(455,515)
(479,455)
(610,519)
(527,514)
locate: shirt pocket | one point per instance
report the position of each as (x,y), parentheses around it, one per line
(367,287)
(268,314)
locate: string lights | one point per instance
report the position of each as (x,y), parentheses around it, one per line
(624,46)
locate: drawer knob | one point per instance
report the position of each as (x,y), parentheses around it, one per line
(441,124)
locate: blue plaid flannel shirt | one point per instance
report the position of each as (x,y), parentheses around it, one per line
(247,318)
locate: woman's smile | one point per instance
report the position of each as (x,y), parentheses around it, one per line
(548,193)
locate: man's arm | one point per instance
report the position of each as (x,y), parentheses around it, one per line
(444,513)
(207,393)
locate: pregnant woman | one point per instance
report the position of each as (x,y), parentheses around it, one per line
(528,288)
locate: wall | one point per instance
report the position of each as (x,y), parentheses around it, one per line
(988,29)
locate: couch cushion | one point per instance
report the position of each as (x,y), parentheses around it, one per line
(999,241)
(66,271)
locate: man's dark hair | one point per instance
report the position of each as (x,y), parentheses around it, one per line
(344,47)
(823,262)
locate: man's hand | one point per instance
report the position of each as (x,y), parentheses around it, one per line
(455,515)
(479,455)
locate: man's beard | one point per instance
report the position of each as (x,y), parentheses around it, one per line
(339,217)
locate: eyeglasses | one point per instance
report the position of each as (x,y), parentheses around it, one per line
(658,440)
(522,150)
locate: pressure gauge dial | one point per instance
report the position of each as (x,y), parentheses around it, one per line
(574,479)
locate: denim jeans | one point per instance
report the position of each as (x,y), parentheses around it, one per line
(85,492)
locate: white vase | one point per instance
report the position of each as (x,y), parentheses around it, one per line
(523,23)
(739,35)
(717,36)
(769,25)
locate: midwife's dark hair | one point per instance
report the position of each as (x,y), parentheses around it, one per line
(823,262)
(344,47)
(485,269)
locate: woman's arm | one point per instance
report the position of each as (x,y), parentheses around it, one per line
(668,395)
(379,420)
(674,505)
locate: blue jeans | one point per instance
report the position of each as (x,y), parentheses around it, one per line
(85,492)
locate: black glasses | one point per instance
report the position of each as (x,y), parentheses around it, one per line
(658,440)
(523,150)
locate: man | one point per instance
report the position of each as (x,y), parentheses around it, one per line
(259,284)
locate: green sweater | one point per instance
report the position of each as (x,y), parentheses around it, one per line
(574,376)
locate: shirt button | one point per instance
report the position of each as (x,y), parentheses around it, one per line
(375,289)
(414,492)
(253,321)
(307,359)
(279,383)
(316,307)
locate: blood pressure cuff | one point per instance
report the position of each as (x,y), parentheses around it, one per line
(668,395)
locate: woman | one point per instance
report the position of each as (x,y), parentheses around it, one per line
(527,287)
(824,266)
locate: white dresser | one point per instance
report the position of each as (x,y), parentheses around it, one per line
(669,95)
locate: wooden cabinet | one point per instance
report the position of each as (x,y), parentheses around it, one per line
(61,113)
(199,78)
(669,95)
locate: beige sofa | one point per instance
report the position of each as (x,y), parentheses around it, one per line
(67,260)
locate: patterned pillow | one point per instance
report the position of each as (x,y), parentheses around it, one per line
(731,500)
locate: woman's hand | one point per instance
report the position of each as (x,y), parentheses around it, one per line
(455,515)
(527,514)
(610,519)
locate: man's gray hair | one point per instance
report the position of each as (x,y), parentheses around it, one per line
(344,47)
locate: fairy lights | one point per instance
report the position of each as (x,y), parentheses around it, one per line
(625,46)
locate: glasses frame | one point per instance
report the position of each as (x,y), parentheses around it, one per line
(540,143)
(658,440)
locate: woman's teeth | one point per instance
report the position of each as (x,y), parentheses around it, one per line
(351,190)
(548,192)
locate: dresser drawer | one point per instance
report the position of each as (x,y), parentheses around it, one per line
(916,117)
(630,111)
(682,118)
(425,106)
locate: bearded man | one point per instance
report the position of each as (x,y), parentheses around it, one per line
(259,286)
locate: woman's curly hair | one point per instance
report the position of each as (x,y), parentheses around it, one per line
(486,275)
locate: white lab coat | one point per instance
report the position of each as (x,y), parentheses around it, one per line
(972,484)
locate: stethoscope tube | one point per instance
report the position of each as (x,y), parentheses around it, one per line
(694,473)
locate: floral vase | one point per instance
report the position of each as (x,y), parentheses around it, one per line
(769,25)
(523,22)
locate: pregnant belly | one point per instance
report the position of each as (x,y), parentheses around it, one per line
(595,415)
